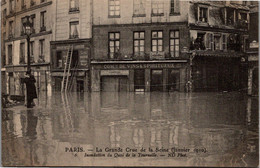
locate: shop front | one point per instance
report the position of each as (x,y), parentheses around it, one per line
(79,50)
(139,76)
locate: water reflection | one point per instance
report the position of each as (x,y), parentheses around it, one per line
(225,124)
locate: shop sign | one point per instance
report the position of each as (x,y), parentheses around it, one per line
(138,66)
(114,72)
(253,58)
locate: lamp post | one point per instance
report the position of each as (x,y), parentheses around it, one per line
(27,29)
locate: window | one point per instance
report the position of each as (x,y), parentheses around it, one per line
(74,26)
(224,42)
(23,6)
(31,51)
(139,43)
(175,43)
(74,5)
(10,54)
(22,29)
(42,49)
(157,8)
(11,6)
(59,60)
(114,8)
(33,23)
(139,7)
(217,42)
(203,14)
(11,29)
(22,54)
(32,3)
(4,16)
(210,42)
(114,44)
(175,7)
(43,15)
(157,41)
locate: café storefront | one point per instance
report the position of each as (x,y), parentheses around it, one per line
(143,76)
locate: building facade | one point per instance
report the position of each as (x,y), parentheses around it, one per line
(219,37)
(150,45)
(138,45)
(14,46)
(72,31)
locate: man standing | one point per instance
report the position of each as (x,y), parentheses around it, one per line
(30,88)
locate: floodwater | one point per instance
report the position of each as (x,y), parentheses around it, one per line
(212,129)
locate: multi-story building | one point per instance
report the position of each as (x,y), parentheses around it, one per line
(139,45)
(151,45)
(219,36)
(14,49)
(72,35)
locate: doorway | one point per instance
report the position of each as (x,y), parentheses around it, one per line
(173,80)
(75,58)
(139,80)
(157,80)
(114,83)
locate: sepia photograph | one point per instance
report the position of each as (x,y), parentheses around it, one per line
(129,83)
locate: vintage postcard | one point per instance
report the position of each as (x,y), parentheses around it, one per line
(129,83)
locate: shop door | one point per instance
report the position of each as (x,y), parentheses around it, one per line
(174,80)
(139,80)
(114,84)
(57,85)
(156,80)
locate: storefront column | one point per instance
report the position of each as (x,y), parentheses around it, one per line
(182,79)
(95,82)
(165,79)
(250,76)
(147,79)
(131,81)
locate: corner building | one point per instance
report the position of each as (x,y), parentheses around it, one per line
(139,45)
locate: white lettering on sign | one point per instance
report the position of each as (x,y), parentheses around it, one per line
(114,72)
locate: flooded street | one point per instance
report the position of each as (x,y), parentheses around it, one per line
(223,124)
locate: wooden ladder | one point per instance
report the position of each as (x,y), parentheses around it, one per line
(66,73)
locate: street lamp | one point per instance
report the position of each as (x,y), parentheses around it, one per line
(27,29)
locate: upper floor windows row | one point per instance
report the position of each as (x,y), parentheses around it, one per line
(23,5)
(139,7)
(157,44)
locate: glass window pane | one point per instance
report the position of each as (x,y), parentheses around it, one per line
(177,54)
(154,42)
(117,43)
(111,7)
(172,48)
(117,35)
(177,48)
(117,2)
(177,41)
(154,34)
(136,49)
(172,34)
(160,42)
(112,49)
(117,13)
(142,49)
(142,42)
(160,48)
(111,43)
(142,35)
(160,34)
(136,35)
(154,48)
(177,34)
(111,35)
(136,43)
(111,13)
(117,8)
